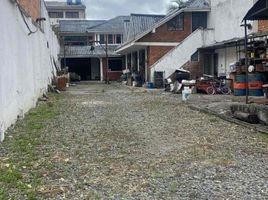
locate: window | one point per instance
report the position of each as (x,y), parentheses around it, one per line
(90,39)
(195,57)
(102,39)
(55,14)
(199,19)
(176,23)
(118,39)
(116,64)
(76,40)
(110,39)
(72,15)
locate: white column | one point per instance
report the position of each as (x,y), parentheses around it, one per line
(101,69)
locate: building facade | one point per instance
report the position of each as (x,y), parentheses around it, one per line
(174,41)
(88,47)
(29,55)
(68,10)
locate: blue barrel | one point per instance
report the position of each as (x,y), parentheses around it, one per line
(240,85)
(255,82)
(241,78)
(255,93)
(255,77)
(240,92)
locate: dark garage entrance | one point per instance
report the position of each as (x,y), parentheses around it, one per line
(87,68)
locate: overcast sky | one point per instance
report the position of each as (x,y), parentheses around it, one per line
(105,9)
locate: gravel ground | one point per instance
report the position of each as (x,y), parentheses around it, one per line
(113,142)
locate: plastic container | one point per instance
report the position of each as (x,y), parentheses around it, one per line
(150,85)
(186,94)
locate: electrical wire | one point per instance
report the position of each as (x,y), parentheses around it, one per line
(24,20)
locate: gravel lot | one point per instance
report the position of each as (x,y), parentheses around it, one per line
(113,142)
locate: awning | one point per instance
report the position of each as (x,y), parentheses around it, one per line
(259,11)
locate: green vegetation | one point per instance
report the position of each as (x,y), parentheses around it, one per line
(16,177)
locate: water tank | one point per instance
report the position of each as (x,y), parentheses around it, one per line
(69,2)
(78,2)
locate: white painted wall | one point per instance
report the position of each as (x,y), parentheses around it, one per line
(182,53)
(226,17)
(226,56)
(25,63)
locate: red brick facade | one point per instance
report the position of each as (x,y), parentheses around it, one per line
(156,52)
(162,34)
(32,8)
(112,76)
(263,26)
(195,68)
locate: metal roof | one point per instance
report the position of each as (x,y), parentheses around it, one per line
(197,4)
(78,26)
(259,11)
(114,25)
(225,43)
(85,51)
(63,5)
(190,6)
(139,23)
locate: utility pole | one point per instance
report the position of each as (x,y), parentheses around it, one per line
(107,62)
(246,58)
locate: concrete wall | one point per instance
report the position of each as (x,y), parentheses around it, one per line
(226,17)
(225,58)
(25,63)
(182,53)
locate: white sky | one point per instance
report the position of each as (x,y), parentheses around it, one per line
(106,9)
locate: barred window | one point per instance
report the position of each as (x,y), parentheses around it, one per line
(177,23)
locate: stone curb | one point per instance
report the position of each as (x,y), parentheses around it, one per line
(229,119)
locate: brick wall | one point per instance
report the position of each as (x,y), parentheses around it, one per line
(263,25)
(32,8)
(156,52)
(195,69)
(112,76)
(162,33)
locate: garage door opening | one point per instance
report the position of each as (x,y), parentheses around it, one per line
(87,68)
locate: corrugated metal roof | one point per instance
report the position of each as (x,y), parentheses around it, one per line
(139,23)
(78,26)
(80,51)
(191,5)
(197,4)
(115,25)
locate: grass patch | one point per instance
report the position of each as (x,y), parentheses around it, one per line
(173,187)
(23,153)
